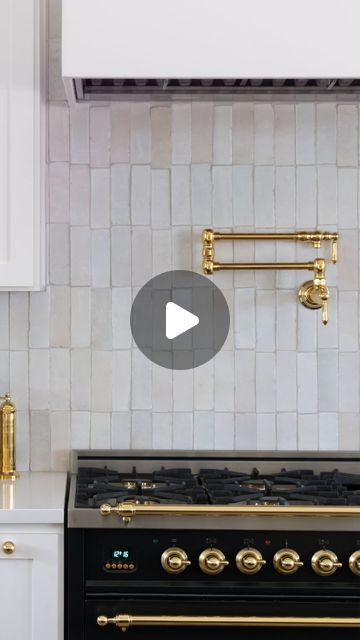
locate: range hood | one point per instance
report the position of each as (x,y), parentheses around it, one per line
(128,49)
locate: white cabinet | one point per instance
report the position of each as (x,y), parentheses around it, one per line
(22,143)
(31,584)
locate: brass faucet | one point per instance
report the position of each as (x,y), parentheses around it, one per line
(7,439)
(314,294)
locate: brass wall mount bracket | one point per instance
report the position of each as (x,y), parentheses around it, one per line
(313,294)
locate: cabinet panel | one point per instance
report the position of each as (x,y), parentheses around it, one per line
(29,603)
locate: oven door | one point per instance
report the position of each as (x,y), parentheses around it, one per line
(176,618)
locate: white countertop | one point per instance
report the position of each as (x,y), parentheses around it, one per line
(37,497)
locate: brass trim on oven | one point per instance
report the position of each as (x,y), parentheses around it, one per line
(127,511)
(124,621)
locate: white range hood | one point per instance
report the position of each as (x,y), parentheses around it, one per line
(128,48)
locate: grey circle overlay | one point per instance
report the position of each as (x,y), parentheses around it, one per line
(198,295)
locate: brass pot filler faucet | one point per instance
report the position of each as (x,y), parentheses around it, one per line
(313,294)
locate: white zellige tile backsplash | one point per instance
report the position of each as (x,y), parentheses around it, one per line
(130,187)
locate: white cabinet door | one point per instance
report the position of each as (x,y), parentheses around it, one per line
(29,587)
(21,145)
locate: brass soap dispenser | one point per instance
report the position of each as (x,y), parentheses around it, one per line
(7,439)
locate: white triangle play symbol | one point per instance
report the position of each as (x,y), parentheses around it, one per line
(178,320)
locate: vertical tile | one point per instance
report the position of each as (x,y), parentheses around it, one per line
(160,137)
(141,381)
(222,196)
(161,430)
(22,441)
(308,434)
(328,432)
(100,198)
(59,379)
(39,314)
(286,381)
(120,194)
(348,321)
(19,320)
(284,142)
(121,256)
(285,197)
(80,256)
(181,133)
(265,321)
(101,380)
(265,252)
(222,134)
(99,137)
(349,433)
(80,134)
(285,320)
(348,265)
(4,324)
(80,317)
(326,133)
(58,132)
(59,192)
(245,318)
(39,378)
(204,386)
(120,309)
(287,279)
(328,379)
(305,133)
(181,247)
(54,18)
(243,196)
(347,197)
(306,197)
(100,258)
(307,323)
(161,251)
(286,432)
(121,380)
(182,430)
(80,379)
(60,440)
(162,386)
(246,432)
(56,91)
(327,195)
(202,115)
(347,135)
(265,382)
(60,316)
(140,138)
(160,199)
(80,195)
(349,382)
(264,196)
(264,133)
(307,383)
(266,431)
(120,430)
(80,430)
(100,437)
(40,441)
(245,381)
(243,132)
(101,326)
(183,390)
(59,254)
(224,381)
(201,207)
(141,430)
(120,131)
(203,430)
(180,195)
(141,257)
(140,195)
(224,431)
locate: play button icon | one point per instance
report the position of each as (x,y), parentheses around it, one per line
(180,319)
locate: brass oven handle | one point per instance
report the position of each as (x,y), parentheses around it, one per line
(124,621)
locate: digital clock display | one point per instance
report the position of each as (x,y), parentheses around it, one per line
(120,554)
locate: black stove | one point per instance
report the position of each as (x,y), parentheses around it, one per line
(175,544)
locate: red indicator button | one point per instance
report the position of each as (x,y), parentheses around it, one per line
(267,542)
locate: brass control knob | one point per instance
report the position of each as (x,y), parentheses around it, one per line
(174,560)
(325,562)
(354,562)
(287,561)
(249,560)
(8,547)
(212,561)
